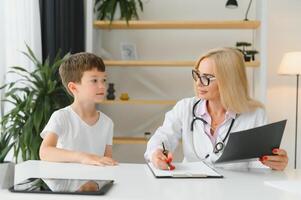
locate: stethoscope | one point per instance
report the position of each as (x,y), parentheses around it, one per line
(221,144)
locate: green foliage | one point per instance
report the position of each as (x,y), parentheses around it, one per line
(5,145)
(35,96)
(105,9)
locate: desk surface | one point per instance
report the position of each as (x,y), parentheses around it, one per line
(135,181)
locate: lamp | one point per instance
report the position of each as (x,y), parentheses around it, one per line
(291,65)
(231,4)
(234,4)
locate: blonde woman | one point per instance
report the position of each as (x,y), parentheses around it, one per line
(222,105)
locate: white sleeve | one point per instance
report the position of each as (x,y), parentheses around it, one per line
(110,133)
(261,117)
(54,125)
(169,133)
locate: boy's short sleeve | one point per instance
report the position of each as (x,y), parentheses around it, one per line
(54,125)
(110,133)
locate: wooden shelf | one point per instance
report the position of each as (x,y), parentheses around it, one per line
(148,63)
(129,140)
(233,24)
(140,102)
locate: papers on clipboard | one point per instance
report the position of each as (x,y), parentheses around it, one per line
(186,170)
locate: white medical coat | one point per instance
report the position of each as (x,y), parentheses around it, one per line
(196,145)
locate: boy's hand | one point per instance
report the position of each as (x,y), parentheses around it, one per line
(160,161)
(91,159)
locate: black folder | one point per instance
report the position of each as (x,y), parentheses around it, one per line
(253,143)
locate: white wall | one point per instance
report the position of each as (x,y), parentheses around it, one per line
(165,83)
(2,45)
(279,33)
(284,31)
(2,56)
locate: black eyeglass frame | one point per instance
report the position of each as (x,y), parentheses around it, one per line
(204,79)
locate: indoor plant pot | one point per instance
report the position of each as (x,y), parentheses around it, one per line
(107,9)
(7,171)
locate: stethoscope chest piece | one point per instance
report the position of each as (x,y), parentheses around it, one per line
(218,147)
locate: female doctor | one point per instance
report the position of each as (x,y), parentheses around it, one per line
(222,105)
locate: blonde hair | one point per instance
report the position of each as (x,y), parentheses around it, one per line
(230,73)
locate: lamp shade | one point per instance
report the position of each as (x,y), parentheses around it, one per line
(231,4)
(290,64)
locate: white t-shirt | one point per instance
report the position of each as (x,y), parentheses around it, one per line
(76,135)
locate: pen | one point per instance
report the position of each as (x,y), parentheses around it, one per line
(165,152)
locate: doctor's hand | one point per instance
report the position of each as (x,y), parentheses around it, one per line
(161,161)
(92,159)
(278,161)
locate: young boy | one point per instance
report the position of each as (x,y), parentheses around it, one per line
(80,133)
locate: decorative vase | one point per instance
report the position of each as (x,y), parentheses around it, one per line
(247,58)
(147,135)
(124,96)
(111,90)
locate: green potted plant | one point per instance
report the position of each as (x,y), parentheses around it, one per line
(106,9)
(6,168)
(35,96)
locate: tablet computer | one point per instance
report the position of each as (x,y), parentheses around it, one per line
(253,143)
(63,186)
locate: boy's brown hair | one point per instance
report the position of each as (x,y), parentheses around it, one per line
(73,68)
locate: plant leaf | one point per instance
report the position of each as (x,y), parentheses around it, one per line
(33,97)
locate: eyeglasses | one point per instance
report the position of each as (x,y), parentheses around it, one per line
(204,79)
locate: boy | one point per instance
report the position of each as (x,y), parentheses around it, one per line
(80,133)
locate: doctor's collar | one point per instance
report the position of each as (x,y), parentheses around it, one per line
(203,111)
(202,108)
(231,114)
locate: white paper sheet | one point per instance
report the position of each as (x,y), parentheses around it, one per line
(190,169)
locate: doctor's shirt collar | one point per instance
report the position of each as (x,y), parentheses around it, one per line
(203,112)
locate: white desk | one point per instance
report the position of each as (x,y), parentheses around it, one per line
(135,181)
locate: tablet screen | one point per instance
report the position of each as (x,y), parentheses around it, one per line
(63,186)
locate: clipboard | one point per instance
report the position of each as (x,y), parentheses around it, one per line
(252,143)
(186,170)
